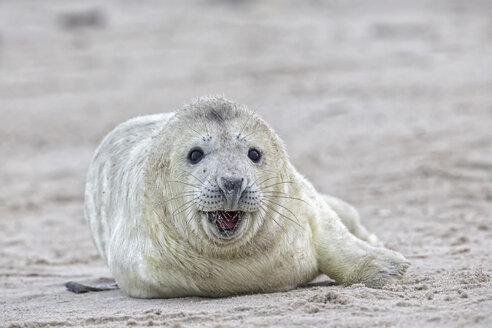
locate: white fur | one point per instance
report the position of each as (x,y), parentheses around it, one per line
(154,250)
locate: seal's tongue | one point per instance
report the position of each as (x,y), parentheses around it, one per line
(225,220)
(228,220)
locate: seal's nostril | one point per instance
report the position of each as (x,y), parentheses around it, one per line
(232,188)
(229,185)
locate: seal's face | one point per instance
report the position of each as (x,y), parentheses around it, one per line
(225,169)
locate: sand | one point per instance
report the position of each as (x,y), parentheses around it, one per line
(386,104)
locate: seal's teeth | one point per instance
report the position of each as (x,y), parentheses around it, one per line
(226,222)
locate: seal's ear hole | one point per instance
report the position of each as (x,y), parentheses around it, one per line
(254,155)
(195,155)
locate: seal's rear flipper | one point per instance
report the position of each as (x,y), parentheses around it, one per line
(79,288)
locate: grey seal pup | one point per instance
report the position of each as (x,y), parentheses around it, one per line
(205,202)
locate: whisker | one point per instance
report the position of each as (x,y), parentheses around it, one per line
(185,183)
(275,192)
(182,206)
(293,221)
(187,208)
(280,205)
(190,193)
(286,197)
(276,184)
(263,181)
(205,124)
(199,134)
(271,217)
(255,130)
(244,125)
(196,178)
(266,179)
(192,217)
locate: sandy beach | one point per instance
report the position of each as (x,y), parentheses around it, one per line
(386,104)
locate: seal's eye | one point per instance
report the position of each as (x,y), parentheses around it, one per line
(195,155)
(254,155)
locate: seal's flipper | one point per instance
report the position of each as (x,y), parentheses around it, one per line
(79,288)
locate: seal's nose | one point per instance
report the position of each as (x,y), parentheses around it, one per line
(232,189)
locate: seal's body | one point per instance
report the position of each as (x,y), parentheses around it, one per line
(205,202)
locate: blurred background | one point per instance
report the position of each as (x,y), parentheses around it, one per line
(387,104)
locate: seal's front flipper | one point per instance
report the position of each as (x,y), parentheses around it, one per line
(79,288)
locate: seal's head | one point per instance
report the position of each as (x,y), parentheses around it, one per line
(224,169)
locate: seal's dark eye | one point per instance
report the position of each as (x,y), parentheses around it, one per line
(195,155)
(254,155)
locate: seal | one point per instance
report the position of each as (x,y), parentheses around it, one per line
(205,202)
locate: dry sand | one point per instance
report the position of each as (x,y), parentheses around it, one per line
(387,105)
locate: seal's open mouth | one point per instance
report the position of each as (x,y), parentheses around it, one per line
(227,222)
